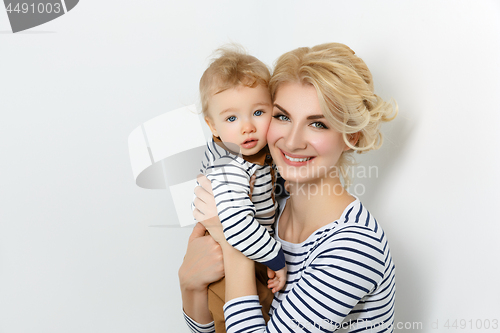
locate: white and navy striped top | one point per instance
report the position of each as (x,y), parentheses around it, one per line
(341,279)
(247,223)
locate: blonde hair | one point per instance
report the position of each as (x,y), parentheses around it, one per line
(230,68)
(345,91)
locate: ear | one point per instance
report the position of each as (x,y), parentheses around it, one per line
(353,139)
(211,125)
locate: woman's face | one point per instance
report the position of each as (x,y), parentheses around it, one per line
(303,144)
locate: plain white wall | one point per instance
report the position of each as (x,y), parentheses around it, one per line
(77,253)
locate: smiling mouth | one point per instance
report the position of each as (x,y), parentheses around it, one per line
(297,159)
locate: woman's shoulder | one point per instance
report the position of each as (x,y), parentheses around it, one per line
(356,220)
(357,215)
(356,228)
(356,238)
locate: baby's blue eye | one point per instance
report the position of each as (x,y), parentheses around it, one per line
(231,119)
(258,113)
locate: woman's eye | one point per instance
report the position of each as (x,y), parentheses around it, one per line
(231,119)
(281,117)
(319,125)
(258,113)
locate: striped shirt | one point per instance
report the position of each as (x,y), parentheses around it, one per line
(341,279)
(247,223)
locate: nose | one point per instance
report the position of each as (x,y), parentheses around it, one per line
(294,139)
(248,127)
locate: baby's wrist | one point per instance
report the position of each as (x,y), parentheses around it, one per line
(227,249)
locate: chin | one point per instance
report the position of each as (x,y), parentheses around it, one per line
(311,173)
(252,151)
(296,175)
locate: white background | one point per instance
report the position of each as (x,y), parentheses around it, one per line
(77,253)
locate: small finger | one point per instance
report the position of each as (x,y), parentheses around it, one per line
(270,273)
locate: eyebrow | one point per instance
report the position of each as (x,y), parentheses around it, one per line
(227,110)
(311,117)
(253,106)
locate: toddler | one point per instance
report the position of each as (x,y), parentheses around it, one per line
(237,107)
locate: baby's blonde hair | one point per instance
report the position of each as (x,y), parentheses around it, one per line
(345,91)
(230,68)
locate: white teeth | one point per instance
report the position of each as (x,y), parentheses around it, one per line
(297,159)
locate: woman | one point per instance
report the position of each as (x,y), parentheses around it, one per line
(340,269)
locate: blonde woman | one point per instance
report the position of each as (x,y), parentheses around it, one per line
(340,271)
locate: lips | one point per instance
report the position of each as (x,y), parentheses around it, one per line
(249,143)
(296,160)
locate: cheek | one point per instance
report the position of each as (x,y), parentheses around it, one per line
(273,134)
(229,130)
(263,125)
(328,145)
(322,145)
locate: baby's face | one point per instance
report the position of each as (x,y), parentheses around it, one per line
(240,117)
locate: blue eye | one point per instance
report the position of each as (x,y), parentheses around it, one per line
(281,117)
(258,113)
(231,119)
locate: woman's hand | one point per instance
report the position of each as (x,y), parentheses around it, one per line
(202,265)
(203,262)
(206,209)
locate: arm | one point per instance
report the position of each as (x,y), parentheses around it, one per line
(337,273)
(242,270)
(239,270)
(240,278)
(341,273)
(230,186)
(201,266)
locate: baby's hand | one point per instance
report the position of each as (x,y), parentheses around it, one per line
(277,280)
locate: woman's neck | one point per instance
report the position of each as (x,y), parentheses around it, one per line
(312,206)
